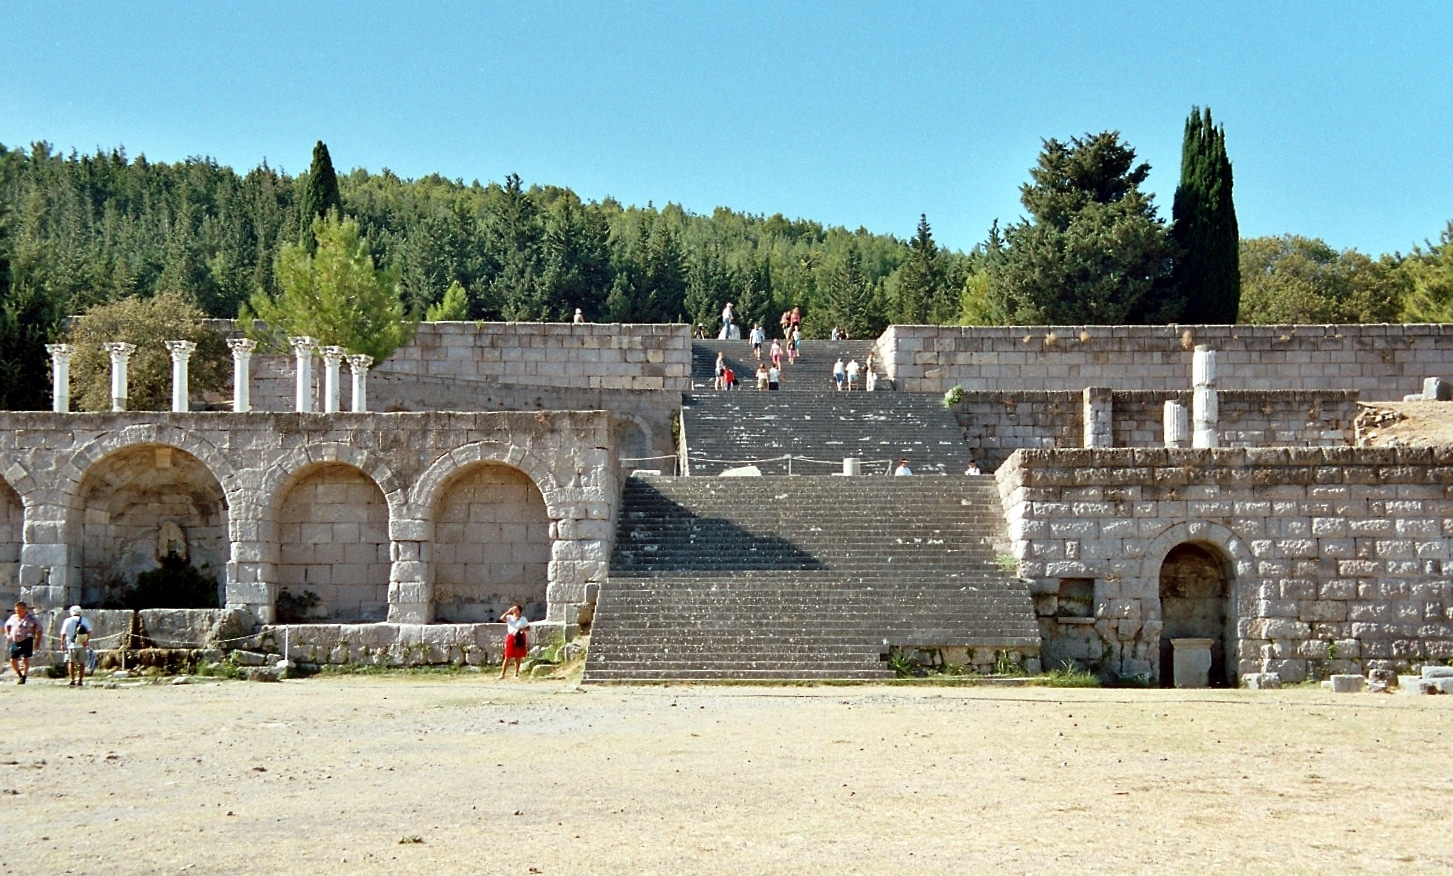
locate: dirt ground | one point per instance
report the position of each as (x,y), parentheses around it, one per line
(1422,423)
(466,774)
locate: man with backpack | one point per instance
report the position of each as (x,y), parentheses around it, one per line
(75,636)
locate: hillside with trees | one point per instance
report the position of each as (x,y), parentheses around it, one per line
(80,231)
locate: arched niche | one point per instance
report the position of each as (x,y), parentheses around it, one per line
(333,546)
(1196,587)
(12,535)
(140,503)
(491,544)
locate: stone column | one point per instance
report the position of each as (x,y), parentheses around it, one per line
(120,353)
(242,373)
(60,376)
(1099,417)
(1177,425)
(332,357)
(181,352)
(358,364)
(303,353)
(1204,410)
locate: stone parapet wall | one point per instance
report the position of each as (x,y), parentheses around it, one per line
(504,356)
(1338,557)
(1380,361)
(467,644)
(997,423)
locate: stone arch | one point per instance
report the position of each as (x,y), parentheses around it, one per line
(164,434)
(287,468)
(424,496)
(633,442)
(331,524)
(491,544)
(138,503)
(1196,567)
(12,536)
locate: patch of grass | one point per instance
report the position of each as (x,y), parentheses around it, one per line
(1007,562)
(411,840)
(904,664)
(1067,676)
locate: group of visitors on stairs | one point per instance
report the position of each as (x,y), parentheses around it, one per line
(845,375)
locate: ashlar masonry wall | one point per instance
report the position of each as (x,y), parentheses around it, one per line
(347,503)
(998,423)
(1335,559)
(1383,362)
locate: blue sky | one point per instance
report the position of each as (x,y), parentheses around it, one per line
(1337,114)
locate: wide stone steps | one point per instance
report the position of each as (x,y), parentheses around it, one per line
(724,430)
(811,373)
(809,578)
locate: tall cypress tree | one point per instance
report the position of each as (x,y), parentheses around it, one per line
(1207,274)
(320,194)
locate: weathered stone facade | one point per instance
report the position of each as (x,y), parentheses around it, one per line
(363,509)
(1330,559)
(1379,361)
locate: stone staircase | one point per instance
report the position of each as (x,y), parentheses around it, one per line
(802,578)
(811,373)
(721,430)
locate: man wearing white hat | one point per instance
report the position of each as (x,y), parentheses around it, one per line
(75,636)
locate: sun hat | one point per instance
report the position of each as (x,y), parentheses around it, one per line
(76,610)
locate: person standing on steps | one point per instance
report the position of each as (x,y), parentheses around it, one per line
(794,345)
(517,644)
(852,374)
(23,633)
(973,469)
(902,470)
(762,375)
(776,354)
(727,317)
(759,337)
(720,370)
(839,374)
(774,379)
(75,635)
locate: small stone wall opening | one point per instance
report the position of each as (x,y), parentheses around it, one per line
(12,533)
(1076,598)
(491,545)
(139,504)
(633,448)
(333,542)
(1195,603)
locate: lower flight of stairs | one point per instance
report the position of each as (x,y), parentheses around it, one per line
(810,578)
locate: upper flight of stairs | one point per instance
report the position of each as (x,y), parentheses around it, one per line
(801,578)
(811,373)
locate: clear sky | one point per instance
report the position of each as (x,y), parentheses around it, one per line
(1339,116)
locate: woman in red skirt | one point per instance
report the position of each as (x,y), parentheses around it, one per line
(517,644)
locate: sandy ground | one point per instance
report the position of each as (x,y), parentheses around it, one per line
(465,774)
(1385,424)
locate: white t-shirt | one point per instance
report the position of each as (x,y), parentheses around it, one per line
(838,369)
(853,369)
(73,627)
(902,470)
(517,624)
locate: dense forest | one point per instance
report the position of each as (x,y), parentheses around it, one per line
(78,231)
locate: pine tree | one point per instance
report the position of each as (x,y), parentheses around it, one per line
(1094,250)
(320,195)
(1204,228)
(920,279)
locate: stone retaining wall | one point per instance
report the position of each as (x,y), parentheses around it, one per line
(1381,361)
(998,423)
(1336,558)
(471,644)
(251,463)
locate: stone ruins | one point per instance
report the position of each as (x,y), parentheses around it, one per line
(1176,504)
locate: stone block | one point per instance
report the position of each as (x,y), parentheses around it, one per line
(1416,685)
(1261,681)
(1348,684)
(1437,671)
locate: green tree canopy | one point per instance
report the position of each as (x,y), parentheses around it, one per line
(1291,279)
(1093,249)
(1430,277)
(453,307)
(148,323)
(320,194)
(335,295)
(922,294)
(1207,276)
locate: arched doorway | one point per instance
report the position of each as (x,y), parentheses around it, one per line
(333,547)
(491,545)
(1195,603)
